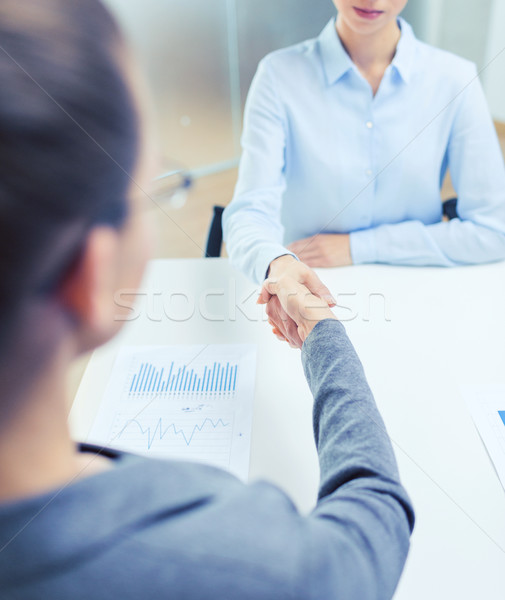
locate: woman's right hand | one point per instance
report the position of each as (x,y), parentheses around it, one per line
(296,299)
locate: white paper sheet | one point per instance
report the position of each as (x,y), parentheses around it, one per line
(487,407)
(181,402)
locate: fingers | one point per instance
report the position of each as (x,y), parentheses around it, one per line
(284,307)
(264,295)
(294,310)
(301,273)
(313,263)
(324,250)
(283,292)
(317,287)
(278,334)
(311,257)
(304,247)
(309,283)
(300,245)
(269,288)
(283,325)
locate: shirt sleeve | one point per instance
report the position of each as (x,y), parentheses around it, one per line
(252,223)
(478,175)
(357,537)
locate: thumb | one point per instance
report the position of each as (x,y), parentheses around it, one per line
(264,295)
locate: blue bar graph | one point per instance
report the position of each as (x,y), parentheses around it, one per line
(214,379)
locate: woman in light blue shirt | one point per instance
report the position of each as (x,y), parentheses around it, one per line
(347,139)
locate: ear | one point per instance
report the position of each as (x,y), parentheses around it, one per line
(88,290)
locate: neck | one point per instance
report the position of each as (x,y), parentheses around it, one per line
(371,50)
(36,451)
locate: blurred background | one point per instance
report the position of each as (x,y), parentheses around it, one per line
(199,58)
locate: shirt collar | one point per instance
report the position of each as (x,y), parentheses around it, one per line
(404,58)
(335,59)
(337,62)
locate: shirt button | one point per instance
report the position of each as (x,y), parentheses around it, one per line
(369,124)
(368,172)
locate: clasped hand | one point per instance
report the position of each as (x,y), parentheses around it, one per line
(296,300)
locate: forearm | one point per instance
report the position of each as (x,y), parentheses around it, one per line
(363,520)
(457,242)
(347,423)
(252,226)
(253,241)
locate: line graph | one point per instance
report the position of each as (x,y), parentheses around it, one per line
(176,435)
(160,431)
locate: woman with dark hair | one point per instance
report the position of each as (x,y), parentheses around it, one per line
(86,522)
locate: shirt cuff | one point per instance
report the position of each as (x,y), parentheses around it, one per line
(363,246)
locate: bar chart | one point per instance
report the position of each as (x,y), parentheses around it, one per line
(217,378)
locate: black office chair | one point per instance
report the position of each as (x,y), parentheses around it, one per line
(215,236)
(449,208)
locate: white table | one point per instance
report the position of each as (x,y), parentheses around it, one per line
(420,334)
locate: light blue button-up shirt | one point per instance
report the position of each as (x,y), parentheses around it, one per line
(321,154)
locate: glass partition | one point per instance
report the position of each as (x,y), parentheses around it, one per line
(200,57)
(182,46)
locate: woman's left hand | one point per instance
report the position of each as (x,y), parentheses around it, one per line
(324,250)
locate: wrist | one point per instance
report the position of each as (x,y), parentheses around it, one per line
(279,264)
(305,328)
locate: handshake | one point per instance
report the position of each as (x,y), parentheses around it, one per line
(295,299)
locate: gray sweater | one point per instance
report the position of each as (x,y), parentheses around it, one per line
(160,529)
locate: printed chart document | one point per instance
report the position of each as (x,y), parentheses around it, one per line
(181,402)
(487,407)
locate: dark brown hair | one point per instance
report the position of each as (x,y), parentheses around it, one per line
(68,147)
(68,140)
